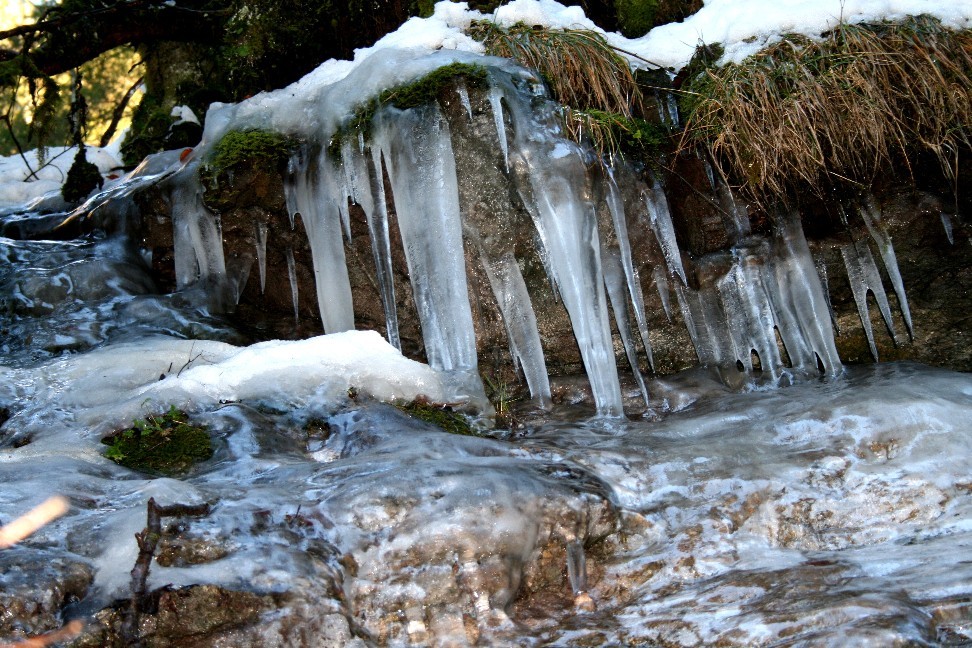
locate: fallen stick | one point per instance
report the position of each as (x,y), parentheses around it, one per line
(49,510)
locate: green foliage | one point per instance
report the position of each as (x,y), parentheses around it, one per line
(617,134)
(165,443)
(253,147)
(442,416)
(636,17)
(82,178)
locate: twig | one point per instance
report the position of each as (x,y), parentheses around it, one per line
(190,360)
(148,540)
(49,510)
(71,630)
(118,113)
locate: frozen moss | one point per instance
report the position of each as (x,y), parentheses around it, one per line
(164,443)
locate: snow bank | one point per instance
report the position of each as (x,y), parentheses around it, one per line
(20,186)
(111,386)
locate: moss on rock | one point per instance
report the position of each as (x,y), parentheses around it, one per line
(442,416)
(250,147)
(164,443)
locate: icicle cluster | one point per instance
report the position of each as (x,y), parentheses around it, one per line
(762,311)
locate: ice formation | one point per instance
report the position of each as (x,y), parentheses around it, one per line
(761,310)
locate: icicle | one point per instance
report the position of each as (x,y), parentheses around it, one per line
(872,218)
(381,248)
(552,178)
(261,252)
(820,264)
(661,285)
(661,224)
(859,287)
(361,141)
(672,106)
(464,97)
(198,245)
(417,150)
(947,224)
(292,275)
(701,323)
(616,207)
(799,301)
(521,322)
(613,281)
(576,567)
(749,314)
(311,191)
(874,283)
(496,101)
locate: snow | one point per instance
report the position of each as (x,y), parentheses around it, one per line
(17,187)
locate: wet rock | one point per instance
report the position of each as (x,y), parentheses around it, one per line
(209,615)
(35,586)
(501,556)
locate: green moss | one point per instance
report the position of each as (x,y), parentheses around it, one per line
(414,94)
(636,17)
(251,147)
(439,415)
(165,443)
(629,136)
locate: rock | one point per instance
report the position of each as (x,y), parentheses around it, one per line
(35,586)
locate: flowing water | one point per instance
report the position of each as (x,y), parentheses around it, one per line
(793,502)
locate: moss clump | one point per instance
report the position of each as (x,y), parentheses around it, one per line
(636,17)
(442,416)
(417,93)
(617,133)
(165,443)
(250,146)
(82,178)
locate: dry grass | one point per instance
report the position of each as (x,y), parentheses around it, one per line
(584,73)
(838,113)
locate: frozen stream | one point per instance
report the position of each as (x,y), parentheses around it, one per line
(832,512)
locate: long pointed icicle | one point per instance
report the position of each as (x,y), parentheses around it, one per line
(381,248)
(613,281)
(261,252)
(496,101)
(417,149)
(821,267)
(872,218)
(859,287)
(292,275)
(661,285)
(799,301)
(521,323)
(311,192)
(552,178)
(616,207)
(661,224)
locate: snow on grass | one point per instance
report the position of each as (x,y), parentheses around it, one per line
(743,27)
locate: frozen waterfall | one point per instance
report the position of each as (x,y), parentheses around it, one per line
(759,312)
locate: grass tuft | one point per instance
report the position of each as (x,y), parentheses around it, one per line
(601,97)
(835,115)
